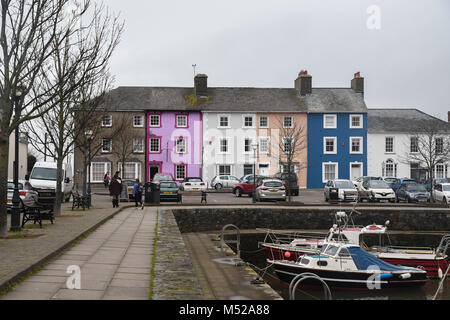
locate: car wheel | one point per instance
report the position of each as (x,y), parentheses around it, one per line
(218,186)
(445,201)
(238,192)
(325,196)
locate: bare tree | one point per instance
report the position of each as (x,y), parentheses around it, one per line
(429,147)
(95,44)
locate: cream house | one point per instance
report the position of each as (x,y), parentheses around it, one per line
(23,155)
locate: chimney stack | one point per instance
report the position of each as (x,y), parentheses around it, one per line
(449,116)
(201,85)
(358,83)
(303,83)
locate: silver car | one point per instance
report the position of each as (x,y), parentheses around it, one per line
(346,191)
(224,181)
(26,195)
(271,189)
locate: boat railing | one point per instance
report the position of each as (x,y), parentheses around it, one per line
(444,245)
(388,249)
(286,236)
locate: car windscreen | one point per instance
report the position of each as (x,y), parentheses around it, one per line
(44,174)
(193,180)
(162,177)
(344,185)
(446,188)
(273,184)
(415,187)
(11,185)
(168,185)
(378,184)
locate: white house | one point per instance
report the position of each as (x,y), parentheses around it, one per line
(392,140)
(23,155)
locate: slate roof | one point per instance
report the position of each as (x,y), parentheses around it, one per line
(402,121)
(235,100)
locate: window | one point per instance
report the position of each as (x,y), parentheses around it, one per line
(248,121)
(138,121)
(138,145)
(106,145)
(131,171)
(248,169)
(263,122)
(155,145)
(389,145)
(288,143)
(224,170)
(414,145)
(224,145)
(98,171)
(224,121)
(107,121)
(155,120)
(181,145)
(440,171)
(182,121)
(356,145)
(329,145)
(180,172)
(439,145)
(329,172)
(329,121)
(288,122)
(264,145)
(356,121)
(389,169)
(247,145)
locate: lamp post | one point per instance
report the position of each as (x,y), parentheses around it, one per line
(89,134)
(15,215)
(255,147)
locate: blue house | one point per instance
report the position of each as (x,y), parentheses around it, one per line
(337,131)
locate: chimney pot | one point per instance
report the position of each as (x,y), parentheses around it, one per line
(357,83)
(201,85)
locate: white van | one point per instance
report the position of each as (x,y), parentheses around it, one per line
(43,178)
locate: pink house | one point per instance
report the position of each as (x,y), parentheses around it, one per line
(174,144)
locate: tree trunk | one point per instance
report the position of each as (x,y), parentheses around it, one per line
(58,191)
(4,150)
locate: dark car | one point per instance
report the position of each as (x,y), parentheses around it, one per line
(412,192)
(398,182)
(168,191)
(290,181)
(247,186)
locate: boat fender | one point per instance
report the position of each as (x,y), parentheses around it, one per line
(405,276)
(385,275)
(287,254)
(440,273)
(374,227)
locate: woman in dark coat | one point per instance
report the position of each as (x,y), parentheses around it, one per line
(115,189)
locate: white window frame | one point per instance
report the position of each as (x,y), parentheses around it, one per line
(103,145)
(177,146)
(137,170)
(228,121)
(110,121)
(358,163)
(385,144)
(178,178)
(138,142)
(264,127)
(361,145)
(150,121)
(185,116)
(361,119)
(228,146)
(141,121)
(224,174)
(249,146)
(284,122)
(283,140)
(325,145)
(244,116)
(107,168)
(410,144)
(442,146)
(441,165)
(261,151)
(336,165)
(334,126)
(150,145)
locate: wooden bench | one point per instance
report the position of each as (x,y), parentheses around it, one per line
(79,201)
(201,194)
(37,213)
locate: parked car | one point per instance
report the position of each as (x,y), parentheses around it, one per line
(162,177)
(168,190)
(130,186)
(247,186)
(412,192)
(193,184)
(224,181)
(378,190)
(398,182)
(270,189)
(442,192)
(25,195)
(360,180)
(435,182)
(290,181)
(346,189)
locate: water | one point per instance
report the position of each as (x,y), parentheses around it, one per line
(257,258)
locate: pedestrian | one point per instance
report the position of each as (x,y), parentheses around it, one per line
(106,179)
(115,189)
(137,193)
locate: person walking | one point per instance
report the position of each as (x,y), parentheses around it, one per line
(137,193)
(115,189)
(106,179)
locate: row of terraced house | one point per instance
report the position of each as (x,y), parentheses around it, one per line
(202,131)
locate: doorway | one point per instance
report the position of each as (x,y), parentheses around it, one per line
(355,171)
(264,169)
(154,169)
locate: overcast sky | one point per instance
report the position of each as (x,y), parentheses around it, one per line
(404,55)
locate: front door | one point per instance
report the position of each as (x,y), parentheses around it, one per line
(154,169)
(355,171)
(264,170)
